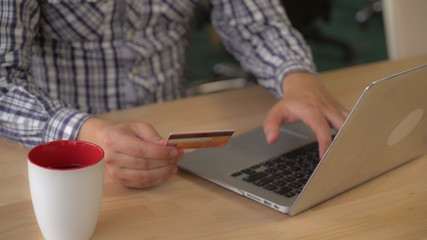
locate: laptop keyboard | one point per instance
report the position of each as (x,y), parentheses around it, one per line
(286,174)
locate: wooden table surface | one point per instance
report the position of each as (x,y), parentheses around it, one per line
(393,206)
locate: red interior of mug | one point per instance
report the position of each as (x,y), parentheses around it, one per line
(65,154)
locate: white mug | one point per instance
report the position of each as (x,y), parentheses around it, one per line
(66,180)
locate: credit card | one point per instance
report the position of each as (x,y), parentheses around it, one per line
(205,139)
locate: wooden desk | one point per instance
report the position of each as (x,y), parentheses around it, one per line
(393,206)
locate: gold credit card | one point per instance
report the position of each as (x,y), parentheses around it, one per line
(205,139)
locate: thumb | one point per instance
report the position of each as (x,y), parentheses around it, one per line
(147,132)
(161,142)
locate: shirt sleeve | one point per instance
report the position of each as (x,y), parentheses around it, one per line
(27,114)
(260,35)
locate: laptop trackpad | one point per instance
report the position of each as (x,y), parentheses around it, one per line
(254,147)
(245,150)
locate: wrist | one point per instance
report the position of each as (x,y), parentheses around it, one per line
(298,79)
(94,129)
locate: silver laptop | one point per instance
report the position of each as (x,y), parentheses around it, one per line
(386,128)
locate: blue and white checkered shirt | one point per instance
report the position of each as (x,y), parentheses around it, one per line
(62,60)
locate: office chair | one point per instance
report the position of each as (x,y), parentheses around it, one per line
(304,13)
(363,15)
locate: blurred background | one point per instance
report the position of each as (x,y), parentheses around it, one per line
(341,33)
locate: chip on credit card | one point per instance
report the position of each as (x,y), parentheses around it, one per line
(205,139)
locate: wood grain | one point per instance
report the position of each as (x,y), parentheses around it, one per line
(393,206)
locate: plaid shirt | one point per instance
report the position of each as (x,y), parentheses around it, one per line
(62,60)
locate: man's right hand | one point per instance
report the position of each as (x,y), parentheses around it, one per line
(134,152)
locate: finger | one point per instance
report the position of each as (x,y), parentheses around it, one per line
(143,178)
(146,132)
(125,161)
(134,146)
(336,119)
(161,142)
(272,124)
(345,113)
(322,131)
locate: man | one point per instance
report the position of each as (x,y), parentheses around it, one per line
(63,60)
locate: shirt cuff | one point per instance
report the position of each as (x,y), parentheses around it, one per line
(290,68)
(65,124)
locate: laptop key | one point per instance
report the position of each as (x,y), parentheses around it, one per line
(270,187)
(272,170)
(255,176)
(289,194)
(289,179)
(279,183)
(303,180)
(256,166)
(299,175)
(263,181)
(295,185)
(286,174)
(282,190)
(248,171)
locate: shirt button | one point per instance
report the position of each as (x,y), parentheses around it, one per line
(134,70)
(129,34)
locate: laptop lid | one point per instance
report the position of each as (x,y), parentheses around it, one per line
(386,128)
